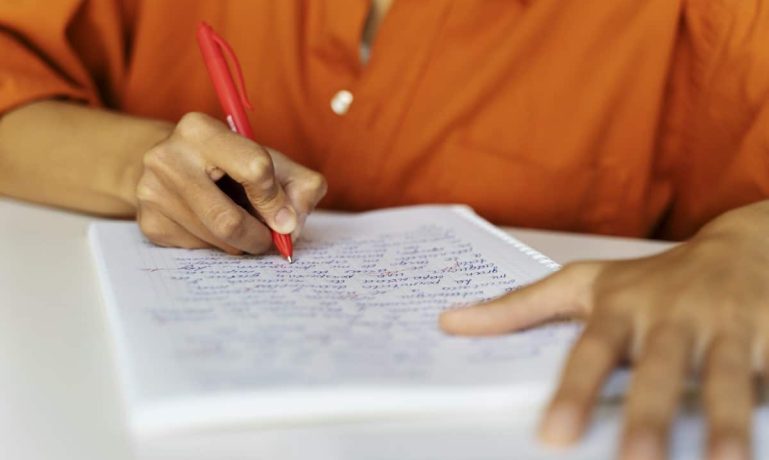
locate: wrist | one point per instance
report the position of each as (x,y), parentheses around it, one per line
(147,136)
(740,231)
(745,220)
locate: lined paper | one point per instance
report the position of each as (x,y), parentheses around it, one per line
(357,309)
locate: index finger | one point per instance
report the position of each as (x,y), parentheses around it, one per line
(565,293)
(246,162)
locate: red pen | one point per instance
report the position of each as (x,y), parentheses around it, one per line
(233,101)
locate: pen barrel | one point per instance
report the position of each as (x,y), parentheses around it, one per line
(229,99)
(283,243)
(224,85)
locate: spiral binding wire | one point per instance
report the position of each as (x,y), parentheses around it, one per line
(471,216)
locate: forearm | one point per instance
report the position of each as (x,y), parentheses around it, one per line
(67,155)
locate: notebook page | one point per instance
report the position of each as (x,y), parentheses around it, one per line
(357,309)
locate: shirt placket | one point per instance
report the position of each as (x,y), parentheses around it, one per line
(367,104)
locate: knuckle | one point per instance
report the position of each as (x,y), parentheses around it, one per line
(596,348)
(193,119)
(147,193)
(594,345)
(651,369)
(159,159)
(153,229)
(153,158)
(668,331)
(733,355)
(577,269)
(227,224)
(616,300)
(192,124)
(316,185)
(259,172)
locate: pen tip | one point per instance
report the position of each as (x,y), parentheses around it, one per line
(290,259)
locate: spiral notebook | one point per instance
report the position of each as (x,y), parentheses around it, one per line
(348,331)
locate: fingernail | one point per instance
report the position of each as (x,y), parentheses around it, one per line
(729,449)
(642,446)
(561,426)
(285,220)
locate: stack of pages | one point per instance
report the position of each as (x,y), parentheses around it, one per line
(348,331)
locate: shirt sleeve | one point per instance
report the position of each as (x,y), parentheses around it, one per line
(716,137)
(58,50)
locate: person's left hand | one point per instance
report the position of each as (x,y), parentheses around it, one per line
(703,305)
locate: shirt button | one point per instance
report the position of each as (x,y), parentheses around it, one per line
(341,101)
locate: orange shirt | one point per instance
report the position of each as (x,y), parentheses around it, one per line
(612,116)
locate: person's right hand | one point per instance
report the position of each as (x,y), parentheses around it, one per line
(179,203)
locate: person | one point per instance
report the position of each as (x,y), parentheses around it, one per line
(611,116)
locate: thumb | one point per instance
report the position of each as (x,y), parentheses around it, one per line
(565,294)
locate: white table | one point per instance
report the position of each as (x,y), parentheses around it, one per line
(58,394)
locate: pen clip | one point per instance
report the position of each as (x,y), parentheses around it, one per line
(241,85)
